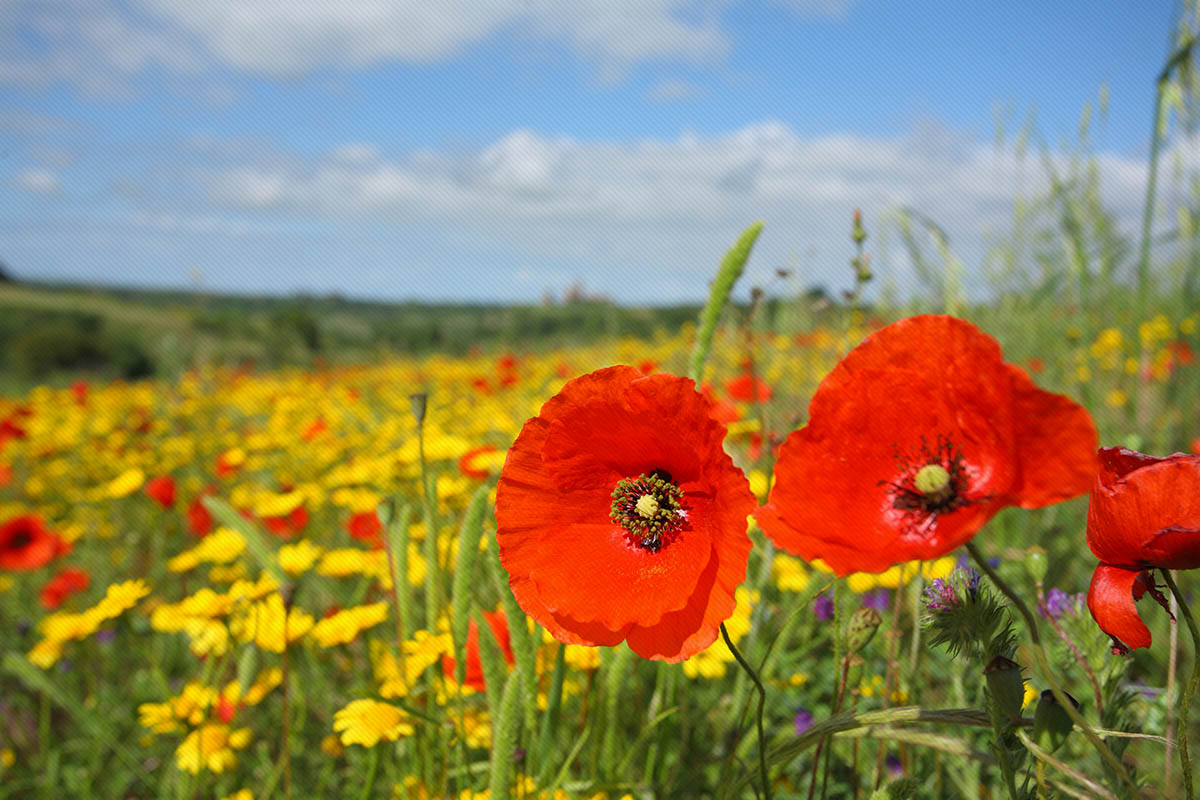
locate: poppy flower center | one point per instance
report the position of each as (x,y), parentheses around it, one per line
(650,508)
(20,541)
(932,483)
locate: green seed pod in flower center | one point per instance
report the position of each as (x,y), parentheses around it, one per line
(932,479)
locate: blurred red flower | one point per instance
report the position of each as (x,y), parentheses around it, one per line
(498,622)
(1144,513)
(747,388)
(200,520)
(366,527)
(466,463)
(914,441)
(65,583)
(26,544)
(621,517)
(161,490)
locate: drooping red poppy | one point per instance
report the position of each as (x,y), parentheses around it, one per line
(67,582)
(1144,513)
(366,527)
(26,544)
(621,517)
(161,490)
(915,440)
(498,622)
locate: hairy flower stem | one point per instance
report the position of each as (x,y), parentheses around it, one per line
(1043,661)
(762,699)
(1189,691)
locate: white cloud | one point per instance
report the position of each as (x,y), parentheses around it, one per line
(665,208)
(38,181)
(102,47)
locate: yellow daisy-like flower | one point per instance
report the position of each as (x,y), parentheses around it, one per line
(263,623)
(367,722)
(124,484)
(240,794)
(345,626)
(789,573)
(420,652)
(211,748)
(220,547)
(299,557)
(120,597)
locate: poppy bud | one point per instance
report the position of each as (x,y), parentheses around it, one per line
(1006,686)
(861,628)
(417,403)
(1037,564)
(385,511)
(1051,723)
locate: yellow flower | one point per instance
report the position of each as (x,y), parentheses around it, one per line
(263,623)
(125,484)
(1031,694)
(366,722)
(211,748)
(299,557)
(789,573)
(420,652)
(331,746)
(219,547)
(345,626)
(120,597)
(240,794)
(158,717)
(711,662)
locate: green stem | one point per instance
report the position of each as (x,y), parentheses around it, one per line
(1189,691)
(1039,652)
(762,699)
(372,766)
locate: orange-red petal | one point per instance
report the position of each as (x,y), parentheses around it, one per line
(1112,603)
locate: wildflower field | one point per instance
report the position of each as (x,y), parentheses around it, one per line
(787,545)
(290,583)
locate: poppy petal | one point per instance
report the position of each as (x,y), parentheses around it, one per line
(1111,601)
(1139,517)
(1056,441)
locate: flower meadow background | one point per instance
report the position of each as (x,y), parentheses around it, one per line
(248,546)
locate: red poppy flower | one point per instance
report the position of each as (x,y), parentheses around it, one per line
(200,521)
(80,390)
(62,585)
(366,527)
(914,441)
(161,490)
(498,622)
(722,412)
(746,388)
(6,475)
(26,544)
(621,517)
(1144,513)
(288,525)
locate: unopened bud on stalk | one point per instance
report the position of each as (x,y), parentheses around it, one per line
(1037,564)
(861,628)
(417,404)
(386,511)
(1051,722)
(1006,686)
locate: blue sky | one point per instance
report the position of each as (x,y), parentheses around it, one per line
(491,151)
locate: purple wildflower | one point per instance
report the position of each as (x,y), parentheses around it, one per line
(894,767)
(878,599)
(804,720)
(823,607)
(941,595)
(1059,603)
